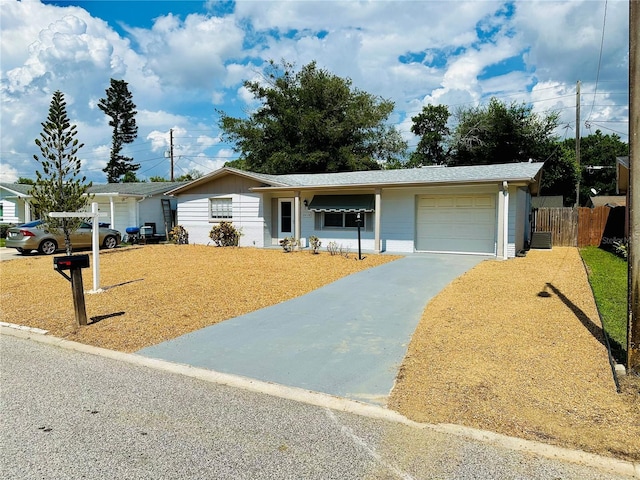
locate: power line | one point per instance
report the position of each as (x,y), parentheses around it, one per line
(604,23)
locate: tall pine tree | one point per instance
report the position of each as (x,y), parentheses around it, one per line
(119,106)
(59,187)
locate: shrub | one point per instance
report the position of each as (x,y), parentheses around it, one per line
(315,244)
(289,244)
(621,249)
(3,229)
(225,235)
(179,235)
(332,248)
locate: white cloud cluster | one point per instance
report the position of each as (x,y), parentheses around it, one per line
(182,68)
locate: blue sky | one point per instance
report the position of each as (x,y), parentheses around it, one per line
(185,60)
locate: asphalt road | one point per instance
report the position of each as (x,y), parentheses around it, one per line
(66,414)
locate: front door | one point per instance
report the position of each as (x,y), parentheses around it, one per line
(285,218)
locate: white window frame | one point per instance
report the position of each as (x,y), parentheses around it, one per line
(220,208)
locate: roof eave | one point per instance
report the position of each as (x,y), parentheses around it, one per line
(523,181)
(219,173)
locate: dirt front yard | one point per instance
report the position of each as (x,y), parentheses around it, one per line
(158,292)
(512,346)
(516,347)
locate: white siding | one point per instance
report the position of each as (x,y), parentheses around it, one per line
(397,220)
(193,215)
(9,212)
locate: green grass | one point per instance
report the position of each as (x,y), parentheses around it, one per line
(2,242)
(608,278)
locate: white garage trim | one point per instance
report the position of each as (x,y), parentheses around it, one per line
(456,223)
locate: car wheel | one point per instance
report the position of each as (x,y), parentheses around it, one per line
(48,247)
(110,242)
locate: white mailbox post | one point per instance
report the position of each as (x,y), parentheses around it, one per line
(95,239)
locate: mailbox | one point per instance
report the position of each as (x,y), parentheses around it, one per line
(71,262)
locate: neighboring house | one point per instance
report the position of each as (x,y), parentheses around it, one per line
(136,204)
(622,175)
(126,204)
(14,207)
(474,209)
(608,201)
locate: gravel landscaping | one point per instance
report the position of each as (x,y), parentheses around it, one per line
(512,346)
(516,347)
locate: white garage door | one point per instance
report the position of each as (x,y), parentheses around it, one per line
(460,223)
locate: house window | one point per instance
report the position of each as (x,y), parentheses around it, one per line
(342,220)
(220,208)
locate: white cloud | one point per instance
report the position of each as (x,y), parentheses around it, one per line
(181,69)
(8,174)
(189,53)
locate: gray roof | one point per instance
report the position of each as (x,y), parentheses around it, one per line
(18,188)
(142,189)
(437,174)
(511,172)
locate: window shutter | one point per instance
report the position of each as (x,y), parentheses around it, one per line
(317,218)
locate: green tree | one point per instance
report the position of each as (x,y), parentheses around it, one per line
(130,177)
(25,181)
(501,133)
(598,154)
(59,187)
(119,106)
(431,126)
(157,178)
(312,121)
(560,173)
(192,174)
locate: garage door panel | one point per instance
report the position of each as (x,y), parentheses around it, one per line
(464,223)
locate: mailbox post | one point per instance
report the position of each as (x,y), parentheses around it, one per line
(359,222)
(75,264)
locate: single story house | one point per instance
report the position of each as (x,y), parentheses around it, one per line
(126,204)
(14,203)
(482,209)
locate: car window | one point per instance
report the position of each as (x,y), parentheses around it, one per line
(35,223)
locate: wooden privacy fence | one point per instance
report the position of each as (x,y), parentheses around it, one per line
(572,227)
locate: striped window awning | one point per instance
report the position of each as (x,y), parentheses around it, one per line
(342,203)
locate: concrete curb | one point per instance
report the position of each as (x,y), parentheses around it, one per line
(605,464)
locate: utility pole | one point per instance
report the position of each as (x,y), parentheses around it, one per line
(578,143)
(633,208)
(171,150)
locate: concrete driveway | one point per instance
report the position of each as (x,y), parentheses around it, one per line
(9,254)
(346,339)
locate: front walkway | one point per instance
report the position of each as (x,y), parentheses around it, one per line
(346,339)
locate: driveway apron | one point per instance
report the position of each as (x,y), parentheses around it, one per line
(347,338)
